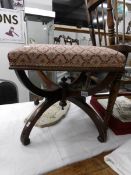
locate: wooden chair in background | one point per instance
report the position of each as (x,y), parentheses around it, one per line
(103,26)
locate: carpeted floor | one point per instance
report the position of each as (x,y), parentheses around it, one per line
(92,166)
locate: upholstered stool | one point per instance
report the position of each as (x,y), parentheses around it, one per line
(83,59)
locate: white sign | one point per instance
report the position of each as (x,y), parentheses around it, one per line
(11,26)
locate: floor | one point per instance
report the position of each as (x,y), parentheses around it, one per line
(71,140)
(92,166)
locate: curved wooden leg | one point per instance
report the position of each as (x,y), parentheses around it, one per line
(114,90)
(34,117)
(93,115)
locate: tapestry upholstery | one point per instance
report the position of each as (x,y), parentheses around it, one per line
(65,57)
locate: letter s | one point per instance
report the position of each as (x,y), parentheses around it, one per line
(14,17)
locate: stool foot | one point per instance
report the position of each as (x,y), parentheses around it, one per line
(102,139)
(33,119)
(36,101)
(25,136)
(25,141)
(100,125)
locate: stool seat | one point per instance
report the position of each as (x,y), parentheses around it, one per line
(66,57)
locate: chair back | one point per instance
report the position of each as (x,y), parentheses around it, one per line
(103,20)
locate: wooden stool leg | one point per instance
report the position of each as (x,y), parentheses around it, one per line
(114,90)
(93,115)
(34,117)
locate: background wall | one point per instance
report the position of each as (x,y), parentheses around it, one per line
(42,4)
(7,74)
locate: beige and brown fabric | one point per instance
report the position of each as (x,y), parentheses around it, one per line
(65,57)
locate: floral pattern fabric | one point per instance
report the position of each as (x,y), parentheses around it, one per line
(65,57)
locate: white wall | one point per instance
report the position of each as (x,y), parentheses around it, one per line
(7,74)
(36,32)
(42,4)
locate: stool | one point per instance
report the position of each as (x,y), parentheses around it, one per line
(83,59)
